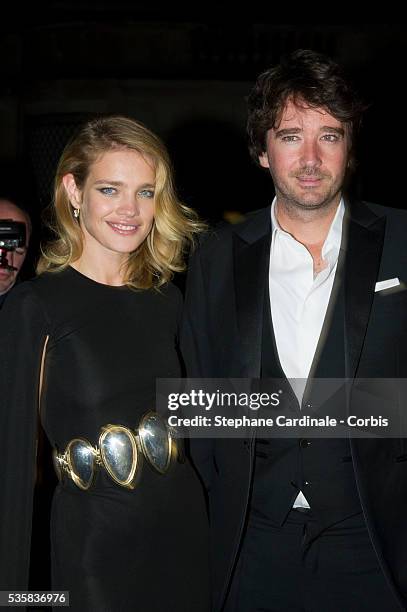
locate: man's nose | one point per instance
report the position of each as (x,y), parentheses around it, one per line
(311,154)
(10,258)
(7,256)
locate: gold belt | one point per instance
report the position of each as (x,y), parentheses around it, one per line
(120,451)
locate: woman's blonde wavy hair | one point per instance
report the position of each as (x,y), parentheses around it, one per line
(162,253)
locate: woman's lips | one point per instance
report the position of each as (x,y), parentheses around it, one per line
(124,229)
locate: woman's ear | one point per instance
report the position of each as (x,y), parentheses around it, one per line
(72,190)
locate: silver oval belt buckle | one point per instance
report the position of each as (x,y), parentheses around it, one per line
(78,461)
(119,451)
(155,441)
(119,454)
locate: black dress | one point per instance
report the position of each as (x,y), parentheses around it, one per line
(114,549)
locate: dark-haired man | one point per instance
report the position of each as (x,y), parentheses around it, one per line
(295,292)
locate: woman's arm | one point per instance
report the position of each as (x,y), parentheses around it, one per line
(23,329)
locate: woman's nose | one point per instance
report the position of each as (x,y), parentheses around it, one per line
(129,207)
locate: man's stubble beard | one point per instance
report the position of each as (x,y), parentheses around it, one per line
(296,207)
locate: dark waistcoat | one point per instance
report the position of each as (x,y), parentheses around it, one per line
(321,468)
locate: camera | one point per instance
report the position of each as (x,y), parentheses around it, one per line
(12,237)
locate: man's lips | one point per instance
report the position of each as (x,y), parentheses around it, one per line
(124,229)
(309,180)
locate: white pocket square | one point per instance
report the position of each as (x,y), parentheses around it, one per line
(387,284)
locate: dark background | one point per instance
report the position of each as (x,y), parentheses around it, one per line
(185,72)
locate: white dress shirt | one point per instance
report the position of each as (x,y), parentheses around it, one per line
(298,301)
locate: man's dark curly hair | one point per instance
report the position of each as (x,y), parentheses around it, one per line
(309,79)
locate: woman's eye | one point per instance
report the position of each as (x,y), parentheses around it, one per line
(146,193)
(107,190)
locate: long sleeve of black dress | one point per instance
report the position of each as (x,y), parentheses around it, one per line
(23,329)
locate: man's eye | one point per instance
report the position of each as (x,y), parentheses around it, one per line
(291,138)
(107,190)
(20,251)
(331,137)
(146,193)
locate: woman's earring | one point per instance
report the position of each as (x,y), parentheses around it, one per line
(76,213)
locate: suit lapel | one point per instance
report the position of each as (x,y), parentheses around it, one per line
(364,235)
(351,297)
(251,255)
(329,354)
(362,243)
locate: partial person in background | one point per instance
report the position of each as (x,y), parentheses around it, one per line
(13,258)
(88,338)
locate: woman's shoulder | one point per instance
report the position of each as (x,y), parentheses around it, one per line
(165,301)
(38,294)
(52,281)
(24,308)
(171,293)
(173,290)
(25,293)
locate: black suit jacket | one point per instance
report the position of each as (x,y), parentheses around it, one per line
(221,337)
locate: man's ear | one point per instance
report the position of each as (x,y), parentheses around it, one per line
(264,160)
(72,190)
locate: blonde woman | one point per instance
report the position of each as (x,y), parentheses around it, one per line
(84,342)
